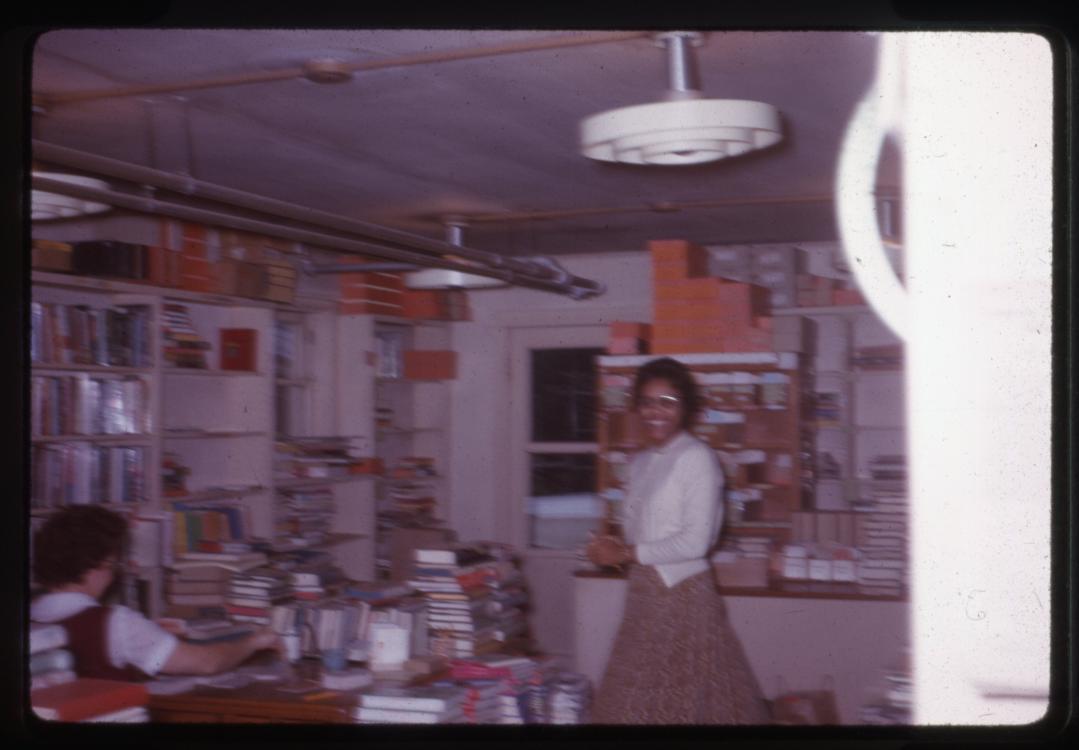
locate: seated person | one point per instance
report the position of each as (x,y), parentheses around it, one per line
(76,555)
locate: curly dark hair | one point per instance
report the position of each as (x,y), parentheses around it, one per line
(679,377)
(74,540)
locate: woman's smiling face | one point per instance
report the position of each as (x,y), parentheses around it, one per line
(661,410)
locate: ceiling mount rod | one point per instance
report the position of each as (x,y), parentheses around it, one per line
(549,281)
(186,185)
(48,100)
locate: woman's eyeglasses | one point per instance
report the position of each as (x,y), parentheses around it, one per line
(670,403)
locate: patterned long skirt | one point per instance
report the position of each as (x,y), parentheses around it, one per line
(676,659)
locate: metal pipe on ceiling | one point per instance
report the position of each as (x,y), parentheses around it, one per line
(422,58)
(552,279)
(188,186)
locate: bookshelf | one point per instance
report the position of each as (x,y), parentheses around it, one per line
(751,416)
(410,420)
(219,424)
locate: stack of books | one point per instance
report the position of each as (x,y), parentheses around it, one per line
(520,679)
(882,539)
(893,701)
(50,662)
(199,581)
(412,505)
(324,625)
(318,457)
(86,699)
(475,602)
(253,594)
(483,699)
(421,704)
(183,347)
(305,517)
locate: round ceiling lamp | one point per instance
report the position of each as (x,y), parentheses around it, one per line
(683,129)
(45,205)
(446,278)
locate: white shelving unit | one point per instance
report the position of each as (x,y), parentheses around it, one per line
(417,411)
(220,423)
(871,402)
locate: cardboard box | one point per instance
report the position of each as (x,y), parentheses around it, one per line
(51,256)
(847,297)
(238,349)
(741,571)
(693,258)
(424,304)
(430,364)
(367,307)
(687,290)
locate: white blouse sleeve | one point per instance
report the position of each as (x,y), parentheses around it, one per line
(696,477)
(135,640)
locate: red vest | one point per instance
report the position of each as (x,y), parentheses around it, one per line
(87,638)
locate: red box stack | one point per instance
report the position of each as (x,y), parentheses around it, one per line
(693,312)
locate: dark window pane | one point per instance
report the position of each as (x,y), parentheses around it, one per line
(564,395)
(562,473)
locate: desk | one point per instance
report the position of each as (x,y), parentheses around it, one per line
(258,702)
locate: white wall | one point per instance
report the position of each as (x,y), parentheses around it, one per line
(481,398)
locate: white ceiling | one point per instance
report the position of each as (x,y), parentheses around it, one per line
(402,146)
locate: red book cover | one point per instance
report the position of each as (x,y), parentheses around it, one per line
(238,348)
(86,697)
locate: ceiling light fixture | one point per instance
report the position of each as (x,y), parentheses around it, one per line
(45,205)
(445,278)
(684,128)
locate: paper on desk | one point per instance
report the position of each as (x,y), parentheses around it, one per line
(226,680)
(172,685)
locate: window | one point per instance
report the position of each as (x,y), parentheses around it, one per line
(563,506)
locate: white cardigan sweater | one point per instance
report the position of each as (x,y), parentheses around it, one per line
(673,507)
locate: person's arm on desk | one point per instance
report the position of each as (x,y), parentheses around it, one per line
(212,658)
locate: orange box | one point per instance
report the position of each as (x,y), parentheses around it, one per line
(847,297)
(703,311)
(359,292)
(687,290)
(430,364)
(626,345)
(626,329)
(424,304)
(753,299)
(681,329)
(681,251)
(367,307)
(763,323)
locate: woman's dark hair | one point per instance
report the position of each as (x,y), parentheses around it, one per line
(680,378)
(74,540)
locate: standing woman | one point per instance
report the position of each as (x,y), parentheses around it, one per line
(676,659)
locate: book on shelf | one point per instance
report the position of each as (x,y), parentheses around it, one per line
(451,555)
(388,716)
(84,698)
(413,698)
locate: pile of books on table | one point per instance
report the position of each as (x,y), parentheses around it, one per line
(200,580)
(521,693)
(50,661)
(420,704)
(93,700)
(476,602)
(253,593)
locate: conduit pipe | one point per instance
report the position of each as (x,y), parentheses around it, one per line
(548,280)
(189,186)
(343,67)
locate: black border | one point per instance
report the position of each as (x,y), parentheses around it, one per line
(1049,18)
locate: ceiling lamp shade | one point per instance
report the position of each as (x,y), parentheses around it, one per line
(683,129)
(45,205)
(445,278)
